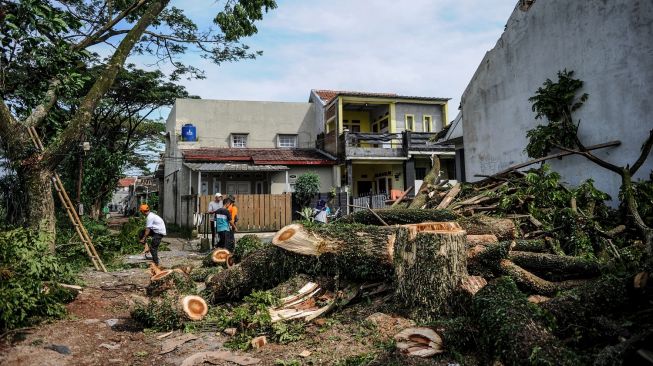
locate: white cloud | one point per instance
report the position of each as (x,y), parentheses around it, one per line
(416,47)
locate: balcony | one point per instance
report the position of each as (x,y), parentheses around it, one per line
(363,144)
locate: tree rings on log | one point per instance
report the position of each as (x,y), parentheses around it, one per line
(430,261)
(194,307)
(419,341)
(471,284)
(219,257)
(297,239)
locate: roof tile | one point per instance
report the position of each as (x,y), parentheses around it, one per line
(259,156)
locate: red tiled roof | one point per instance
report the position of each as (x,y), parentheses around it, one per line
(259,156)
(328,95)
(126,182)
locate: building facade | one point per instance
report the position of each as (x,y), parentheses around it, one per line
(241,147)
(384,142)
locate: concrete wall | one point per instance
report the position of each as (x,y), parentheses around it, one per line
(609,45)
(419,111)
(216,120)
(278,180)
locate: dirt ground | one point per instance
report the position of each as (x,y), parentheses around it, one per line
(99,330)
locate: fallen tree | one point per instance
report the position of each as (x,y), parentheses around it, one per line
(398,216)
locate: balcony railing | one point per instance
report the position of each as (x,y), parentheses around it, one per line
(366,144)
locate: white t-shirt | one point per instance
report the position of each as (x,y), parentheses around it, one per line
(155,223)
(214,206)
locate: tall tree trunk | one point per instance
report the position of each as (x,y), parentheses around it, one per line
(40,205)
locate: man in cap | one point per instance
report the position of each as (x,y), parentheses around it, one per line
(154,227)
(213,208)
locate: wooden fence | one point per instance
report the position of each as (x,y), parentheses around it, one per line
(259,212)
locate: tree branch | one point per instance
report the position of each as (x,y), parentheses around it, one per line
(594,159)
(646,149)
(41,111)
(56,152)
(92,39)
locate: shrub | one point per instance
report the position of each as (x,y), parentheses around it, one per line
(28,278)
(306,187)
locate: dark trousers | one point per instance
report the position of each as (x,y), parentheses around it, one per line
(154,245)
(226,240)
(212,224)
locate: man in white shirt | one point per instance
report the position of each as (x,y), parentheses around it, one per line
(213,207)
(154,227)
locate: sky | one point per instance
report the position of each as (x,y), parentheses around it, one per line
(411,47)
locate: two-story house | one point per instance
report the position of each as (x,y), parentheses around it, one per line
(237,147)
(384,142)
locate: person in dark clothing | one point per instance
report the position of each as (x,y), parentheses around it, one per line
(222,219)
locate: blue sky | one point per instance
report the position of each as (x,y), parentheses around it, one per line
(412,47)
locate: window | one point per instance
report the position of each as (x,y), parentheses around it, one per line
(287,140)
(410,122)
(238,140)
(353,125)
(427,123)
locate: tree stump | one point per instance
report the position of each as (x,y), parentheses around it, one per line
(170,281)
(430,261)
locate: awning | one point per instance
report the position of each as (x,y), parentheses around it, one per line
(230,167)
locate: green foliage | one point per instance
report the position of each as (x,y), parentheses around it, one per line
(237,20)
(358,360)
(307,214)
(159,314)
(251,319)
(28,277)
(246,245)
(505,317)
(555,101)
(306,187)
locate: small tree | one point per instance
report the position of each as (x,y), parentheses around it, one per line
(306,187)
(555,102)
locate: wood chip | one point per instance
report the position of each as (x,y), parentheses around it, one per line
(305,353)
(259,342)
(230,331)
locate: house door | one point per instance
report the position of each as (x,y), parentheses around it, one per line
(384,185)
(238,188)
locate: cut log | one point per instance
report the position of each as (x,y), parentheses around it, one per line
(556,267)
(219,257)
(419,342)
(170,311)
(451,195)
(429,264)
(194,307)
(470,285)
(473,240)
(399,216)
(431,178)
(513,330)
(170,281)
(535,246)
(503,229)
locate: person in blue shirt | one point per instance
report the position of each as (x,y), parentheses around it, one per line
(222,227)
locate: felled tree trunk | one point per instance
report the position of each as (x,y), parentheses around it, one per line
(399,216)
(429,265)
(556,267)
(512,329)
(503,229)
(170,311)
(170,281)
(533,283)
(262,269)
(430,179)
(201,274)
